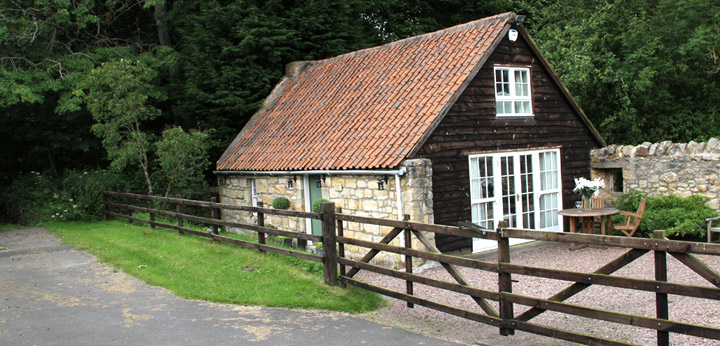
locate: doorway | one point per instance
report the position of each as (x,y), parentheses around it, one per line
(315,193)
(522,188)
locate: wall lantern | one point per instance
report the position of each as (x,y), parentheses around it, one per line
(381,183)
(291,181)
(319,181)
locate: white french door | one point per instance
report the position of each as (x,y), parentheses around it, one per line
(522,188)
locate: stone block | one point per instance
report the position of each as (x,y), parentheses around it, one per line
(369,205)
(351,204)
(611,149)
(642,150)
(712,145)
(653,149)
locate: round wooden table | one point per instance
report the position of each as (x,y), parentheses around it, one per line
(587,218)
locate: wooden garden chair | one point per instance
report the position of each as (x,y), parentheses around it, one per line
(632,220)
(595,201)
(711,229)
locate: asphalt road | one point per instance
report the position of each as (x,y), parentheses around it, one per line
(55,295)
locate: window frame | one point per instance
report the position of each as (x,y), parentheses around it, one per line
(512,84)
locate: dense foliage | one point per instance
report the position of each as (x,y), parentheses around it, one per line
(36,197)
(74,73)
(641,70)
(680,217)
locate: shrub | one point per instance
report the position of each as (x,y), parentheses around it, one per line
(316,206)
(37,197)
(681,217)
(281,203)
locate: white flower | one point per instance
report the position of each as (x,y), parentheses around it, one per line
(583,185)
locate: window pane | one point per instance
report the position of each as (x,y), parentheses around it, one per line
(508,107)
(525,106)
(499,109)
(518,107)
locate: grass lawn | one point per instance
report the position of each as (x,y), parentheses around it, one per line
(198,268)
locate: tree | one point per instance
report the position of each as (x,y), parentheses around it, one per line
(183,157)
(118,95)
(642,70)
(46,48)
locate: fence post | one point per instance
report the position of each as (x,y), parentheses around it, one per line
(261,223)
(661,299)
(408,261)
(329,241)
(215,212)
(341,246)
(151,205)
(107,206)
(504,279)
(178,210)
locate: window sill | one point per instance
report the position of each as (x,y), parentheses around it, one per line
(508,116)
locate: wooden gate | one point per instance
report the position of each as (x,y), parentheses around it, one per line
(504,317)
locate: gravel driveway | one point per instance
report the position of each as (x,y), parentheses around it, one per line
(559,256)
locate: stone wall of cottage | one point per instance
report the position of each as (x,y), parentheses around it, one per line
(664,168)
(357,195)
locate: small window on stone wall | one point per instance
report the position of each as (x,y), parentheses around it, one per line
(616,180)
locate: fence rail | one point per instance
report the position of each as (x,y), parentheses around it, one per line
(334,241)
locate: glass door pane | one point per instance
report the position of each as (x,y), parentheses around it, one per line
(507,181)
(549,194)
(482,192)
(527,200)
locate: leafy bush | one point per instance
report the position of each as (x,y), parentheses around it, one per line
(281,203)
(681,217)
(37,197)
(317,207)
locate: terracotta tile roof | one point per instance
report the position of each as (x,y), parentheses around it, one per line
(366,109)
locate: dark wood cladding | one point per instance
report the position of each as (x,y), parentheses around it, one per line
(471,125)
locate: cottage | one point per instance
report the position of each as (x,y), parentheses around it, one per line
(465,123)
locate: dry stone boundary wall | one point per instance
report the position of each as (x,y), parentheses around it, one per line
(665,168)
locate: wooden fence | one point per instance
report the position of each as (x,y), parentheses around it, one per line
(504,318)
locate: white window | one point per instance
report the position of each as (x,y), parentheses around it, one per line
(512,91)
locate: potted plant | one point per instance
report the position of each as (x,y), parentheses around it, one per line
(281,203)
(319,249)
(317,207)
(284,241)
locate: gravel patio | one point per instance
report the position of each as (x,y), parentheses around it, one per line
(557,256)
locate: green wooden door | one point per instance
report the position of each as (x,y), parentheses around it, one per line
(315,194)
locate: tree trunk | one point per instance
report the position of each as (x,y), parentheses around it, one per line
(163,33)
